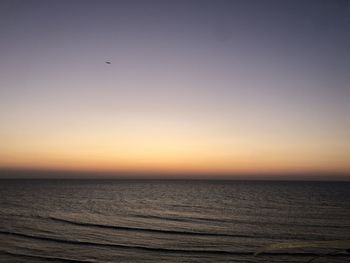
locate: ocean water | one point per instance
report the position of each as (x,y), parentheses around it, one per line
(168,221)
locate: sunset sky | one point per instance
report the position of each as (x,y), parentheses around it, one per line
(212,87)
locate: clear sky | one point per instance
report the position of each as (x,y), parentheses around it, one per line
(219,87)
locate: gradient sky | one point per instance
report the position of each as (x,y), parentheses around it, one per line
(194,86)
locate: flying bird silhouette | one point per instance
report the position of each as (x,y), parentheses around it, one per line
(108,62)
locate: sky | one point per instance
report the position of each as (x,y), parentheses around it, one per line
(194,87)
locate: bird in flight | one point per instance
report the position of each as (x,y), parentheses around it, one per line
(108,62)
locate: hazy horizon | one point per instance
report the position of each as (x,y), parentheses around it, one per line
(11,173)
(219,88)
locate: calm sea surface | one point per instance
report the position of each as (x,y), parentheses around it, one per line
(168,221)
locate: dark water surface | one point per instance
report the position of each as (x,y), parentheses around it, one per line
(168,221)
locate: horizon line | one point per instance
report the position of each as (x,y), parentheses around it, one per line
(33,173)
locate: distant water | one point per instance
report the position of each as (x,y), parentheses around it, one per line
(167,221)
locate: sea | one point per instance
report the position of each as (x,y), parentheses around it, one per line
(170,220)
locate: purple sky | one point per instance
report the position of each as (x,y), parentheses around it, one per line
(237,85)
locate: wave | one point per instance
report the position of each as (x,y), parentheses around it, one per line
(163,218)
(237,221)
(89,243)
(150,230)
(188,219)
(154,249)
(171,232)
(47,258)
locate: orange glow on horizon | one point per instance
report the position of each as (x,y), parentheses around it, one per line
(144,144)
(190,161)
(152,146)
